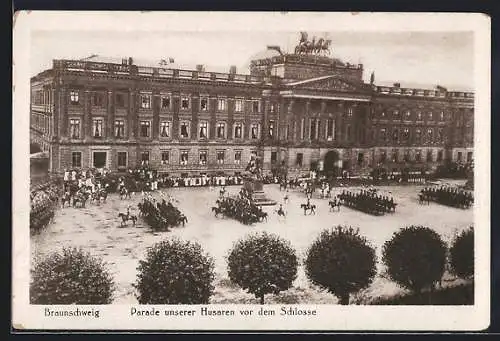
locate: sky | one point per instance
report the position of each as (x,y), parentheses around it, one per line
(426,58)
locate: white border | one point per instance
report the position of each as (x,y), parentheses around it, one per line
(330,317)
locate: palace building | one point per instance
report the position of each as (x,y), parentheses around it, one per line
(302,111)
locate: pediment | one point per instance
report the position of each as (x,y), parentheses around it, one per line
(328,83)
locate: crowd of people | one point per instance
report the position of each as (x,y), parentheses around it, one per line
(368,201)
(447,196)
(43,202)
(241,208)
(160,215)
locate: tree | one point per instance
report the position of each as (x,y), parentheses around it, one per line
(415,257)
(462,254)
(71,277)
(262,264)
(175,272)
(341,261)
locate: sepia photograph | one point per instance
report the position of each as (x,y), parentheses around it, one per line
(181,173)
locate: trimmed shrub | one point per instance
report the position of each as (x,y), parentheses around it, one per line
(415,257)
(71,277)
(462,254)
(262,264)
(341,261)
(175,272)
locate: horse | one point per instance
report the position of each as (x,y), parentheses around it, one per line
(182,220)
(126,217)
(262,216)
(424,198)
(308,207)
(124,193)
(66,198)
(334,203)
(281,212)
(283,185)
(80,198)
(217,210)
(98,195)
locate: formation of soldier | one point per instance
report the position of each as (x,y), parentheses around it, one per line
(368,201)
(447,196)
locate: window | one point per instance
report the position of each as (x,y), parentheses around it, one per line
(459,156)
(440,156)
(395,156)
(221,130)
(221,104)
(396,114)
(469,156)
(255,106)
(348,132)
(204,104)
(383,135)
(430,135)
(238,130)
(120,100)
(441,116)
(271,129)
(122,159)
(382,114)
(395,136)
(419,116)
(274,157)
(145,128)
(302,128)
(273,108)
(119,129)
(184,157)
(312,129)
(418,155)
(406,156)
(220,157)
(429,157)
(74,128)
(440,135)
(74,97)
(184,129)
(203,134)
(299,159)
(97,128)
(254,131)
(165,102)
(237,157)
(361,158)
(406,134)
(330,126)
(429,116)
(383,156)
(203,157)
(165,129)
(146,101)
(418,135)
(98,99)
(350,110)
(185,103)
(165,157)
(76,159)
(407,115)
(145,156)
(238,105)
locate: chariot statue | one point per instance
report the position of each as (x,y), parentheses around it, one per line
(319,47)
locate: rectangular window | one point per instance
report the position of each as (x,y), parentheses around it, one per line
(350,111)
(221,104)
(302,128)
(441,116)
(146,101)
(407,115)
(312,129)
(122,159)
(165,102)
(419,116)
(406,156)
(274,157)
(418,155)
(418,135)
(203,133)
(429,116)
(74,97)
(237,157)
(203,157)
(74,128)
(459,156)
(383,135)
(98,99)
(145,156)
(120,100)
(204,104)
(145,128)
(76,159)
(165,129)
(238,105)
(221,130)
(238,130)
(440,156)
(440,135)
(184,157)
(271,129)
(406,134)
(361,158)
(469,156)
(382,115)
(329,129)
(395,156)
(220,157)
(185,103)
(97,128)
(119,129)
(255,106)
(184,129)
(348,132)
(395,114)
(165,157)
(254,131)
(429,157)
(273,108)
(383,156)
(395,136)
(299,159)
(430,135)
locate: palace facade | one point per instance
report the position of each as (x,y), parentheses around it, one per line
(299,111)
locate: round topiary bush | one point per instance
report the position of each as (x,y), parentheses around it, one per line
(415,257)
(462,254)
(341,261)
(71,277)
(262,264)
(175,272)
